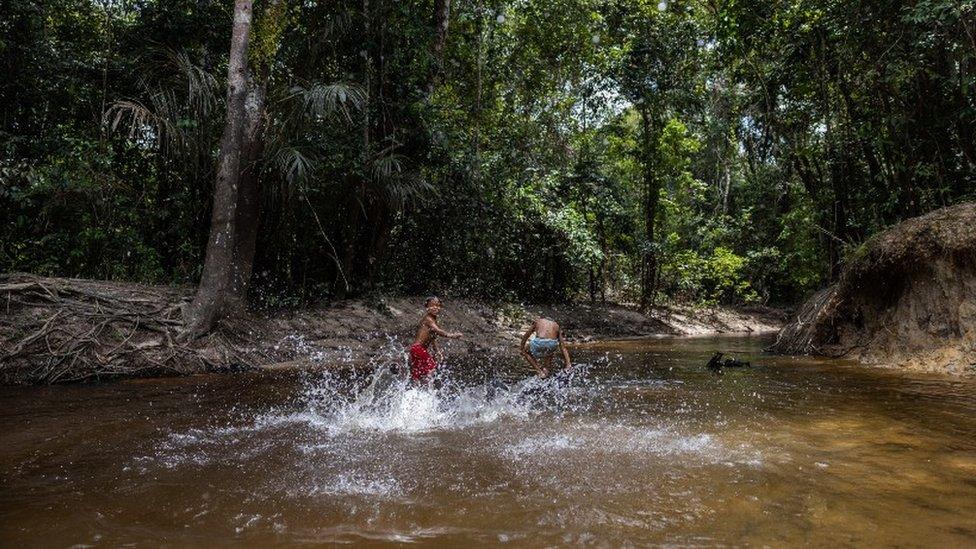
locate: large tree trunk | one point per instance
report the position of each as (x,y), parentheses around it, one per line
(379,240)
(213,297)
(602,267)
(346,280)
(236,211)
(249,192)
(839,172)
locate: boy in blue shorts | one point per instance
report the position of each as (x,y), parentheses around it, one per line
(548,339)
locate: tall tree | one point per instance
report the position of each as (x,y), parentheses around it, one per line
(656,75)
(442,19)
(235,216)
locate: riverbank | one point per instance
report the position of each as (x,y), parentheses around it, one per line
(63,330)
(905,299)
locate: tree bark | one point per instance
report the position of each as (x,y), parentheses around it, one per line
(379,241)
(442,19)
(350,243)
(839,173)
(213,296)
(249,192)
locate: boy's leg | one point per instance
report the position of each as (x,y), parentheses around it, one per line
(547,365)
(531,360)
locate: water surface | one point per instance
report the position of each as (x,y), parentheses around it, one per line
(642,446)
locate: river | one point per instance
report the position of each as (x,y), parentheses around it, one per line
(642,446)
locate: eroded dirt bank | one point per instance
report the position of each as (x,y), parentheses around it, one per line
(906,299)
(62,330)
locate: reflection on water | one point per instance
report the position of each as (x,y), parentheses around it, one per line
(641,446)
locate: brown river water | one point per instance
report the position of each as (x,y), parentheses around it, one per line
(642,446)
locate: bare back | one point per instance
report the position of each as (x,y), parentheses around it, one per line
(546,329)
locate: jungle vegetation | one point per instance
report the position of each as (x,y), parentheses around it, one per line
(280,152)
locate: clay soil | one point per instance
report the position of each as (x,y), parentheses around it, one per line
(905,299)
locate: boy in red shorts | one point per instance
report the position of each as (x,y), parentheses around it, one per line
(422,364)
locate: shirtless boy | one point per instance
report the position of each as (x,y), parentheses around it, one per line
(548,338)
(422,364)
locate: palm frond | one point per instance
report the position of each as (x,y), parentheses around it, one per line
(330,100)
(398,185)
(387,166)
(202,87)
(408,189)
(175,114)
(143,124)
(293,165)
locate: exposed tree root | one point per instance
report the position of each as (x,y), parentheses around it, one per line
(55,330)
(906,297)
(63,330)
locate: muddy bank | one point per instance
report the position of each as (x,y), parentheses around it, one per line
(62,330)
(906,299)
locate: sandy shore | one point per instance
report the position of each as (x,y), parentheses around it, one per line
(359,330)
(63,330)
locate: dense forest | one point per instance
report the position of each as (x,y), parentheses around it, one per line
(627,150)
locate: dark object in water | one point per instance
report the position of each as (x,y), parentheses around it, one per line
(494,387)
(536,388)
(716,362)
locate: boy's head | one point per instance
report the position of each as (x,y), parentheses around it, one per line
(433,304)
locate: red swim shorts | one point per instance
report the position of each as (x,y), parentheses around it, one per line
(421,363)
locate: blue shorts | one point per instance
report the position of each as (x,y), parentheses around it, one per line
(540,347)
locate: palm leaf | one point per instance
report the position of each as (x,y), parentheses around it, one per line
(330,100)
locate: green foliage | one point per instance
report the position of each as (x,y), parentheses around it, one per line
(708,279)
(269,25)
(741,149)
(73,216)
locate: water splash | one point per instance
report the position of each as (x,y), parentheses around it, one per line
(370,433)
(389,402)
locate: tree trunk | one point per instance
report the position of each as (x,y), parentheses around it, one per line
(381,225)
(249,192)
(213,297)
(350,242)
(651,198)
(592,284)
(442,19)
(605,253)
(726,183)
(839,172)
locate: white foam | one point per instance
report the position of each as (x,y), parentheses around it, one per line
(390,404)
(339,416)
(607,438)
(356,484)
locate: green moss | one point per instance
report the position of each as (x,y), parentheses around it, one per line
(269,26)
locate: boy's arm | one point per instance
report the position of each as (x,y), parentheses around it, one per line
(562,346)
(525,337)
(437,330)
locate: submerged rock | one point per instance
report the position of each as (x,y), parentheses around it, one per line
(906,298)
